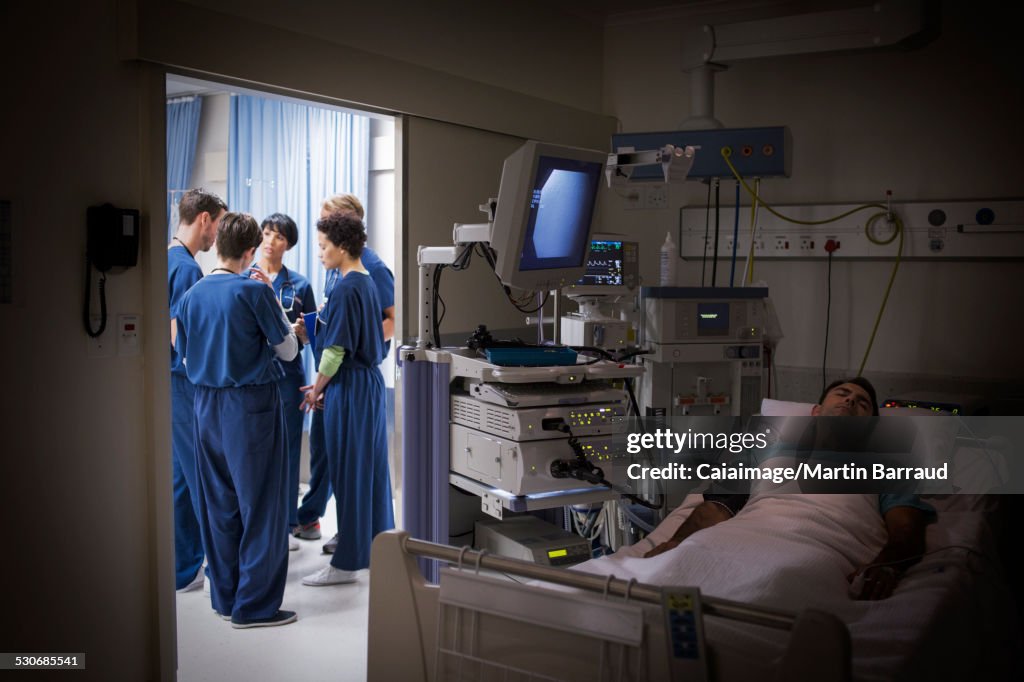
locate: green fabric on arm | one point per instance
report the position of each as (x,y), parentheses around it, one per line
(330,361)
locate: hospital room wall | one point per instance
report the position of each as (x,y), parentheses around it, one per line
(87,562)
(86,471)
(940,122)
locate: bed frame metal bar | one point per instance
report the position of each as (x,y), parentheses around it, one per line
(713,606)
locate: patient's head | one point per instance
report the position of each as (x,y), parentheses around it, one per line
(853,397)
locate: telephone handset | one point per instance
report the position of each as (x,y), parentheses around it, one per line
(112,241)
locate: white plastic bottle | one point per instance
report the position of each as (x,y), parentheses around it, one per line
(668,262)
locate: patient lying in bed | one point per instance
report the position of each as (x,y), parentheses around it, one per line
(800,551)
(904,516)
(949,615)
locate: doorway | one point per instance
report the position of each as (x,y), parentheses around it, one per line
(260,166)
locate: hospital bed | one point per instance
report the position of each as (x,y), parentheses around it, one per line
(477,627)
(773,595)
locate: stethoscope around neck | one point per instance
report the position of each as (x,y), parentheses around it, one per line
(286,300)
(282,297)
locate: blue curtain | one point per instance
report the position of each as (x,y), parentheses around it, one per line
(182,130)
(287,158)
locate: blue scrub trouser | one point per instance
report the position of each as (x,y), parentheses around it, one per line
(242,466)
(357,453)
(314,502)
(291,402)
(188,542)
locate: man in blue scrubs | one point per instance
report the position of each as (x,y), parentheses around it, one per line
(199,214)
(314,503)
(231,334)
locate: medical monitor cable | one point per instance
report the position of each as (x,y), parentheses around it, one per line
(894,220)
(735,237)
(718,219)
(659,485)
(886,211)
(828,316)
(707,227)
(488,253)
(582,469)
(748,269)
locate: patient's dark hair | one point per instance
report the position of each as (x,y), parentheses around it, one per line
(236,234)
(284,226)
(856,381)
(345,231)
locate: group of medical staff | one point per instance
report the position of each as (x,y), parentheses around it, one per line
(239,393)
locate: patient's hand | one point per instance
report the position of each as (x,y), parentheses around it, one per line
(904,548)
(704,515)
(873,583)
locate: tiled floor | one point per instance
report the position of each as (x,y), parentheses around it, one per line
(327,643)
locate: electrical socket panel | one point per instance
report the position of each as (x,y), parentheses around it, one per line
(979,230)
(656,196)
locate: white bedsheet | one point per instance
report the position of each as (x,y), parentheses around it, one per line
(949,615)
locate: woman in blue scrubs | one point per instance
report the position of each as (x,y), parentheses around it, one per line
(315,501)
(230,330)
(296,298)
(351,340)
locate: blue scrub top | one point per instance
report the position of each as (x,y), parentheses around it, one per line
(182,272)
(382,278)
(351,319)
(226,327)
(295,295)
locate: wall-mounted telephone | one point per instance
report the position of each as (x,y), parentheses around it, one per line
(112,241)
(113,238)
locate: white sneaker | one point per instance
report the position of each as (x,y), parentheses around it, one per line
(197,582)
(329,575)
(293,545)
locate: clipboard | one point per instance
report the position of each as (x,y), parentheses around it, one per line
(309,319)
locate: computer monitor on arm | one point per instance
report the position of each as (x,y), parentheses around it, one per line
(544,217)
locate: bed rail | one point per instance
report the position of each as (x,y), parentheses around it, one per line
(404,609)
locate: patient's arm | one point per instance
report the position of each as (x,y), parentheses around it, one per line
(704,515)
(905,526)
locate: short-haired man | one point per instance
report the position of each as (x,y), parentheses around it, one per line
(232,333)
(905,516)
(199,215)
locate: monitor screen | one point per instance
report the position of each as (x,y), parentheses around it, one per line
(712,319)
(543,219)
(561,207)
(604,265)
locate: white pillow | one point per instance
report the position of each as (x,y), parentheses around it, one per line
(933,445)
(785,408)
